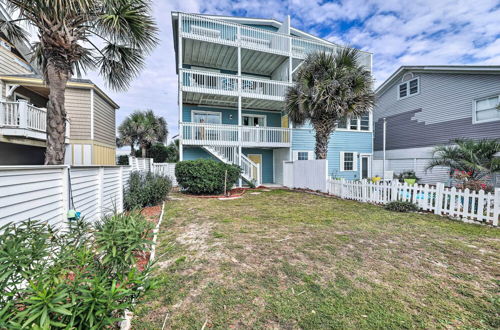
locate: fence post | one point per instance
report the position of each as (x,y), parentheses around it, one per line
(100,179)
(364,190)
(439,198)
(119,205)
(65,194)
(496,207)
(342,188)
(394,190)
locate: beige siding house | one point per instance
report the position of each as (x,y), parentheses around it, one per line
(23,97)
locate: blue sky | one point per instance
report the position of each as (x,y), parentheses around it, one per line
(397,32)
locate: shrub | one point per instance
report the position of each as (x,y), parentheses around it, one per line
(158,152)
(400,206)
(205,176)
(122,160)
(64,279)
(408,174)
(146,189)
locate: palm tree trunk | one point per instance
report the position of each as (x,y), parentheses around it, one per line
(143,151)
(132,149)
(322,138)
(56,115)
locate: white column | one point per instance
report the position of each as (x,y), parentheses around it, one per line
(179,63)
(23,114)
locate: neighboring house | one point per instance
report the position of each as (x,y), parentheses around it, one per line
(425,106)
(90,132)
(233,76)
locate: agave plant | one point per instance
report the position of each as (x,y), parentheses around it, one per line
(111,36)
(330,87)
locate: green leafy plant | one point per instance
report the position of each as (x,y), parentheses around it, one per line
(80,278)
(408,174)
(146,190)
(206,176)
(120,238)
(401,206)
(122,160)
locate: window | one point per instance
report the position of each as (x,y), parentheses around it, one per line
(408,88)
(303,155)
(254,120)
(362,123)
(206,117)
(348,161)
(486,109)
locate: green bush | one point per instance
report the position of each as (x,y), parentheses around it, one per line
(122,160)
(408,174)
(400,206)
(205,176)
(82,278)
(146,190)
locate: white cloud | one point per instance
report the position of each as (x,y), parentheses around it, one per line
(397,32)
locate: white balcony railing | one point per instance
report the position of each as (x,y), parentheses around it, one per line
(234,135)
(226,84)
(219,31)
(20,118)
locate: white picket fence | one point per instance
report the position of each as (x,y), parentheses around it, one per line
(47,192)
(467,205)
(147,164)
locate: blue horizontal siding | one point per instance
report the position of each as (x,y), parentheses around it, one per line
(360,142)
(230,116)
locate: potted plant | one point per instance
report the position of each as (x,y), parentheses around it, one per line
(376,179)
(408,177)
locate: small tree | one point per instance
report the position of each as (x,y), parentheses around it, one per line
(330,87)
(477,158)
(112,36)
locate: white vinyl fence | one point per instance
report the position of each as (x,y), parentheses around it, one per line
(467,205)
(47,192)
(147,164)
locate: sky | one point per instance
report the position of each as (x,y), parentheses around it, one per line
(397,32)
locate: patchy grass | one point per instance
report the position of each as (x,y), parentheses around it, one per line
(291,260)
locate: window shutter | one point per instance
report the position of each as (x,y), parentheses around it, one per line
(354,161)
(295,155)
(311,155)
(341,161)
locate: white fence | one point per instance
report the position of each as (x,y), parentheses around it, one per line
(47,192)
(464,204)
(147,164)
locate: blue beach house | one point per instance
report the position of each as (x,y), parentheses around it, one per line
(233,75)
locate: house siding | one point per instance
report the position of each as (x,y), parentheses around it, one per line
(78,108)
(441,111)
(340,141)
(104,121)
(230,116)
(9,63)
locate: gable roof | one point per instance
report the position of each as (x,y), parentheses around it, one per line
(463,69)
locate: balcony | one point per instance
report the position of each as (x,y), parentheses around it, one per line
(197,27)
(229,85)
(21,119)
(234,135)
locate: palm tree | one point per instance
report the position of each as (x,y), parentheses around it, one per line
(112,36)
(330,87)
(475,157)
(142,128)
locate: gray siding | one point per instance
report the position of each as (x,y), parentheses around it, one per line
(440,112)
(104,121)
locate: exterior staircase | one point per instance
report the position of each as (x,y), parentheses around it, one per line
(230,155)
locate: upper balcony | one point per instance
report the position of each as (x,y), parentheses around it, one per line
(213,42)
(21,119)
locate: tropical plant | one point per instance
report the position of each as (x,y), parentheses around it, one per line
(143,128)
(112,36)
(474,157)
(407,174)
(329,88)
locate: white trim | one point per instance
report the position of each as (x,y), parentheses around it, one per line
(21,96)
(206,112)
(310,154)
(474,109)
(348,129)
(91,114)
(354,161)
(407,83)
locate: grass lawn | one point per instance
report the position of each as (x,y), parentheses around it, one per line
(290,260)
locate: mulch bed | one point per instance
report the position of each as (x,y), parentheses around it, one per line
(152,213)
(235,192)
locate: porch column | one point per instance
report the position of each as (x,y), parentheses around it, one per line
(179,70)
(240,183)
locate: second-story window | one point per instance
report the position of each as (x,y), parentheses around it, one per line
(362,123)
(408,88)
(487,109)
